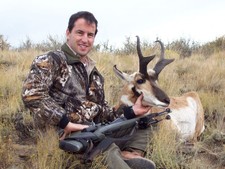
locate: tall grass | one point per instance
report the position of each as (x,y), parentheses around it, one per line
(206,75)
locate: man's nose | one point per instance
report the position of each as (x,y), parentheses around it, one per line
(85,38)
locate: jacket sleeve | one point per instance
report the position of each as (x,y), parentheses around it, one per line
(35,92)
(110,113)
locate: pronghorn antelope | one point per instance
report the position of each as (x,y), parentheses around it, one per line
(187,115)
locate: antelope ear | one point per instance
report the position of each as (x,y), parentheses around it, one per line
(122,75)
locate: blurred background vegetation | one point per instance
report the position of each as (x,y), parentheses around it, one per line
(197,67)
(183,47)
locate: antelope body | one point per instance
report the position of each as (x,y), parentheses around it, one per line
(187,116)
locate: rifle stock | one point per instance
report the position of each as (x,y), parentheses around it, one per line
(71,146)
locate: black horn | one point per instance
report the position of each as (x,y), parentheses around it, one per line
(162,62)
(143,61)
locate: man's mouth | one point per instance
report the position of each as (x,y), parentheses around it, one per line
(83,47)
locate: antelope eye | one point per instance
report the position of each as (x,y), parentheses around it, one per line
(140,81)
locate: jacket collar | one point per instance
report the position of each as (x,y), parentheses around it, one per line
(71,56)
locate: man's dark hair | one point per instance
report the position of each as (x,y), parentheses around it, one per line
(89,17)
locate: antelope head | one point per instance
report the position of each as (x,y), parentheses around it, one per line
(145,81)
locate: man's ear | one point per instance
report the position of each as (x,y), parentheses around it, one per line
(67,33)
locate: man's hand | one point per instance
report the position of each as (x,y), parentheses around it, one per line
(138,108)
(72,127)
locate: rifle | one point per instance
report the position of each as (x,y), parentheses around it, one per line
(97,138)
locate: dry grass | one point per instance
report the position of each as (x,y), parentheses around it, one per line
(198,73)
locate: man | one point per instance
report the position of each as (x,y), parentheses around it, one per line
(64,89)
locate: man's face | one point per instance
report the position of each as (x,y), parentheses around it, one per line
(81,37)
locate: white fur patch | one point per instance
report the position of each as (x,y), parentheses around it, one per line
(185,119)
(150,99)
(151,72)
(126,101)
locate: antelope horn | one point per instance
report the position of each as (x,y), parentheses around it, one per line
(143,61)
(162,62)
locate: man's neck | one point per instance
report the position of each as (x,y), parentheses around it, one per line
(83,59)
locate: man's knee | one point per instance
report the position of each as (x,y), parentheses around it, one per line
(132,153)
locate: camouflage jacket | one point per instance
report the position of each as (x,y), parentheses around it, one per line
(59,85)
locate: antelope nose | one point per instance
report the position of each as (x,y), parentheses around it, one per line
(167,100)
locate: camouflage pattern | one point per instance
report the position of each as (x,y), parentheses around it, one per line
(58,84)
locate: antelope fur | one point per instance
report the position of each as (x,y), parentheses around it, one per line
(187,116)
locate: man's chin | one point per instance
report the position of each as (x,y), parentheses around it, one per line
(82,52)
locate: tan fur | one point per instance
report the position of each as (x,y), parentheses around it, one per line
(146,86)
(177,103)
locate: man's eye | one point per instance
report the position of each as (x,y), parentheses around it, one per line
(140,81)
(79,32)
(90,35)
